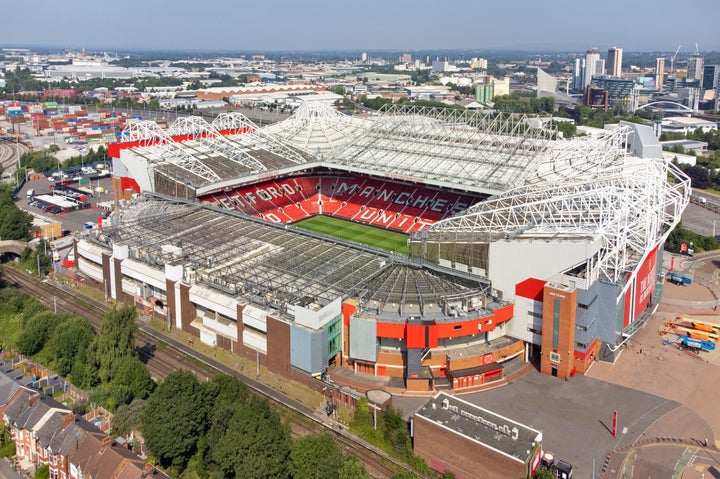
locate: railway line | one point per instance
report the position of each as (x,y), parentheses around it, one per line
(163,355)
(9,155)
(160,361)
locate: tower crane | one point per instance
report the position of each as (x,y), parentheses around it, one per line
(672,60)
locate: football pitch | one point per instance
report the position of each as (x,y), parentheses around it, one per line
(367,235)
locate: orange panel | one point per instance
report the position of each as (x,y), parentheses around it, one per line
(432,336)
(348,309)
(415,336)
(391,330)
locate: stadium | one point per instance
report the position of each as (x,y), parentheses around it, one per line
(413,248)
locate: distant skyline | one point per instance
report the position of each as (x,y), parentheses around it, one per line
(341,25)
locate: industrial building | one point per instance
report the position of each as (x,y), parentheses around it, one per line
(522,245)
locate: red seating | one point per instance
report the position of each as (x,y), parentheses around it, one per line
(384,203)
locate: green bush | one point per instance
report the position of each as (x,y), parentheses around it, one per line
(7,449)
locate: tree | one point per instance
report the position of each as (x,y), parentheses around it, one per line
(252,444)
(565,127)
(544,474)
(42,472)
(315,457)
(173,418)
(69,344)
(36,333)
(116,339)
(131,373)
(127,417)
(352,469)
(14,222)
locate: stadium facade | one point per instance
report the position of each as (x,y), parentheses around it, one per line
(522,245)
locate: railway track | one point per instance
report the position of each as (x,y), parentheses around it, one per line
(163,356)
(160,361)
(9,155)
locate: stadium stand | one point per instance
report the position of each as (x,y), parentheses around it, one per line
(397,206)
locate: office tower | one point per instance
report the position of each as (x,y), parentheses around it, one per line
(363,56)
(592,59)
(578,74)
(695,67)
(711,77)
(406,58)
(659,73)
(614,62)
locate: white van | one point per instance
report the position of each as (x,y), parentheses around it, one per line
(30,193)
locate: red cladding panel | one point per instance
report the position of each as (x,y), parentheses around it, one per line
(391,330)
(645,282)
(126,183)
(580,355)
(531,288)
(415,336)
(348,309)
(432,336)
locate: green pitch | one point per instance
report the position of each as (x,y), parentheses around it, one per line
(367,235)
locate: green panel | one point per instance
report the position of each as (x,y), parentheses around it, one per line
(334,330)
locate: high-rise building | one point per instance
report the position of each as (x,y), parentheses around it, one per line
(695,67)
(592,61)
(614,62)
(406,58)
(363,56)
(478,63)
(659,73)
(711,77)
(578,74)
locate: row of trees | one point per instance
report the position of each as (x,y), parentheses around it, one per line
(106,364)
(43,161)
(523,104)
(219,430)
(14,222)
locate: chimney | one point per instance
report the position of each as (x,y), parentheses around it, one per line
(34,399)
(106,441)
(68,419)
(148,470)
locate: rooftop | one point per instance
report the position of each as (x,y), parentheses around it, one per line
(479,425)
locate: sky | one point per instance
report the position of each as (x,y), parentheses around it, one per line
(367,25)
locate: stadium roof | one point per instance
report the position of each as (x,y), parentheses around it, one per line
(587,187)
(479,151)
(276,266)
(630,207)
(318,129)
(229,147)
